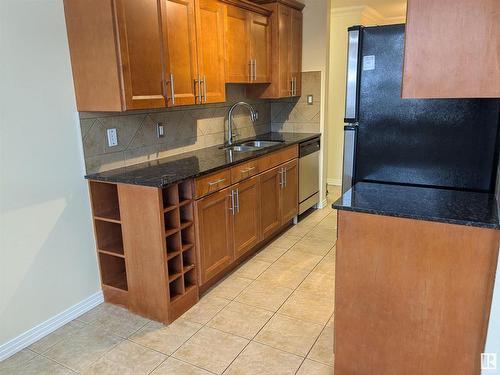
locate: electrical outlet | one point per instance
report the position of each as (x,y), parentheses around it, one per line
(160,130)
(112,137)
(256,115)
(309,99)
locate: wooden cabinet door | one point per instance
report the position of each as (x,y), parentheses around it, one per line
(237,45)
(285,45)
(290,192)
(296,50)
(246,221)
(210,44)
(214,233)
(260,47)
(181,62)
(452,49)
(141,53)
(270,201)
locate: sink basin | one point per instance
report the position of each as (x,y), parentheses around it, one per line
(241,148)
(261,144)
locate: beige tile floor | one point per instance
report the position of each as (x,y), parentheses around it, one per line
(273,315)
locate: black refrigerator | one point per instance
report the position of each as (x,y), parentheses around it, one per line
(443,143)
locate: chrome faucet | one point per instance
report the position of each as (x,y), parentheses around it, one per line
(253,117)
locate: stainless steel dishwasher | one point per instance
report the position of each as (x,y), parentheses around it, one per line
(308,174)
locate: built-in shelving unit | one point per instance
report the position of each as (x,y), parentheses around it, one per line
(180,243)
(153,277)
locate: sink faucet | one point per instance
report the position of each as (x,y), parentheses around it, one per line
(253,117)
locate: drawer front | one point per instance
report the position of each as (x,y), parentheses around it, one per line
(245,170)
(212,183)
(277,158)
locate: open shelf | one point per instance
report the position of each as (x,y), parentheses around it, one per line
(109,237)
(173,243)
(174,267)
(171,219)
(170,197)
(186,215)
(185,190)
(187,236)
(190,279)
(188,259)
(113,271)
(105,201)
(176,288)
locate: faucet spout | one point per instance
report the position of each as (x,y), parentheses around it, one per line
(253,117)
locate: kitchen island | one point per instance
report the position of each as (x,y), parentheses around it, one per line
(415,269)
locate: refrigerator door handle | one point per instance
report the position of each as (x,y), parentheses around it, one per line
(350,135)
(353,74)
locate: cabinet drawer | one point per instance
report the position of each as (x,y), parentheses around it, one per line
(245,170)
(277,158)
(211,183)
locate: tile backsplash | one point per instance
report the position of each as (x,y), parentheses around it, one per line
(192,127)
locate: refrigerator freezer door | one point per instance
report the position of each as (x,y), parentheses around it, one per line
(349,157)
(352,79)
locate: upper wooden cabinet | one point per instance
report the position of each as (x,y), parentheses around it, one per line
(137,54)
(452,49)
(286,55)
(248,45)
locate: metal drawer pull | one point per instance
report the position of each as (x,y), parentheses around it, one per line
(216,182)
(172,90)
(247,170)
(204,89)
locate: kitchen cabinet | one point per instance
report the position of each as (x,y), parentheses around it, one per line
(246,216)
(248,45)
(289,191)
(270,217)
(215,233)
(139,54)
(452,49)
(286,55)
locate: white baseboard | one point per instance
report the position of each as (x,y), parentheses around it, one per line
(36,333)
(334,181)
(322,204)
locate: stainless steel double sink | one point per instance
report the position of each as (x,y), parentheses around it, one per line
(252,145)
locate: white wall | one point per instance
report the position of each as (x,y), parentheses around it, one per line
(47,256)
(315,43)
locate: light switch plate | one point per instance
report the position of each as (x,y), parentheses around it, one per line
(112,137)
(160,130)
(310,99)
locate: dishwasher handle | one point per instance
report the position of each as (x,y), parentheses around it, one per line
(308,147)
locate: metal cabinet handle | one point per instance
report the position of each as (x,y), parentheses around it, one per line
(237,192)
(281,177)
(197,89)
(232,207)
(247,170)
(285,177)
(291,87)
(172,89)
(254,70)
(250,66)
(216,182)
(204,89)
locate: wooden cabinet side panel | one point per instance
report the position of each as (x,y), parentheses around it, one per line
(90,25)
(290,192)
(452,49)
(181,60)
(412,297)
(144,244)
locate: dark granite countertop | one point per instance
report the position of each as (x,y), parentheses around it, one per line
(163,172)
(420,203)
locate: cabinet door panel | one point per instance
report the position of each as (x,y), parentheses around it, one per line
(260,42)
(210,44)
(179,34)
(296,50)
(270,201)
(246,221)
(214,232)
(141,52)
(290,192)
(237,45)
(285,45)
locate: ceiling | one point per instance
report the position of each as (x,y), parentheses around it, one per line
(387,8)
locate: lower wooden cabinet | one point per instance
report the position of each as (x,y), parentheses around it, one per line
(214,233)
(246,217)
(270,217)
(289,191)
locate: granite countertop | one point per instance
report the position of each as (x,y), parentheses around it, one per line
(420,203)
(163,172)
